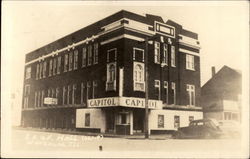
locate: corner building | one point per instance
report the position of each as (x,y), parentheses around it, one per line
(94,79)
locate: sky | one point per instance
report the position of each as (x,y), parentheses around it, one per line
(26,26)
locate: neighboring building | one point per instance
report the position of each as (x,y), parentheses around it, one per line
(221,95)
(94,79)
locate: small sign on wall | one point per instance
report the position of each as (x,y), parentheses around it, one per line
(50,101)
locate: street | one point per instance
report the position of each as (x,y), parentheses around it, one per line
(37,143)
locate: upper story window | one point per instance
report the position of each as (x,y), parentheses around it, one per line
(111,76)
(41,70)
(26,96)
(59,62)
(75,59)
(174,92)
(191,94)
(37,71)
(165,92)
(84,56)
(157,52)
(70,60)
(189,62)
(96,53)
(138,54)
(158,89)
(165,54)
(50,67)
(54,66)
(94,93)
(44,69)
(112,55)
(90,55)
(173,64)
(28,72)
(66,62)
(139,83)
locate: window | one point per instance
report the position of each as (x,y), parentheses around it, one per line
(160,121)
(191,94)
(165,54)
(89,90)
(176,121)
(44,69)
(87,119)
(41,70)
(26,96)
(50,67)
(52,92)
(157,52)
(70,60)
(64,94)
(189,62)
(174,92)
(57,92)
(111,76)
(28,73)
(139,83)
(191,118)
(59,61)
(111,55)
(165,97)
(38,99)
(75,59)
(89,55)
(157,89)
(49,92)
(84,56)
(82,93)
(54,66)
(173,56)
(37,71)
(138,54)
(96,53)
(94,93)
(42,98)
(73,93)
(68,94)
(66,62)
(35,99)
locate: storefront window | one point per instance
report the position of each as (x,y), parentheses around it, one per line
(160,121)
(87,119)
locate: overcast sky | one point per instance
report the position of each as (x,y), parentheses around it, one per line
(222,28)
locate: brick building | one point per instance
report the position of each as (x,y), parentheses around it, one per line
(94,79)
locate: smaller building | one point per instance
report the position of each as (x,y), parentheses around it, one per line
(221,95)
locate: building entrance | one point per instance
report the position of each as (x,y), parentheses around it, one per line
(138,120)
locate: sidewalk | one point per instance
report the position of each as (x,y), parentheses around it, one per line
(74,132)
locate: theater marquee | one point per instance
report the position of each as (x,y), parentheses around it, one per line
(125,102)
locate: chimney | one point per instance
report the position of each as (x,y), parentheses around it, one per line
(213,71)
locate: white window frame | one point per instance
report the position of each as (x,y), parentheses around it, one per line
(68,94)
(109,52)
(73,93)
(134,49)
(157,52)
(42,98)
(41,71)
(173,59)
(44,69)
(64,95)
(173,86)
(66,62)
(54,66)
(82,92)
(28,72)
(90,55)
(96,47)
(165,86)
(35,104)
(50,67)
(70,61)
(111,81)
(59,62)
(37,70)
(157,84)
(38,99)
(139,80)
(165,54)
(84,57)
(190,62)
(190,90)
(75,59)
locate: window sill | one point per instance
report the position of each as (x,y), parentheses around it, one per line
(190,69)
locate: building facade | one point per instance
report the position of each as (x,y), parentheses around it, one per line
(221,95)
(94,79)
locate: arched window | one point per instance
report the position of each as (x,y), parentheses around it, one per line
(139,83)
